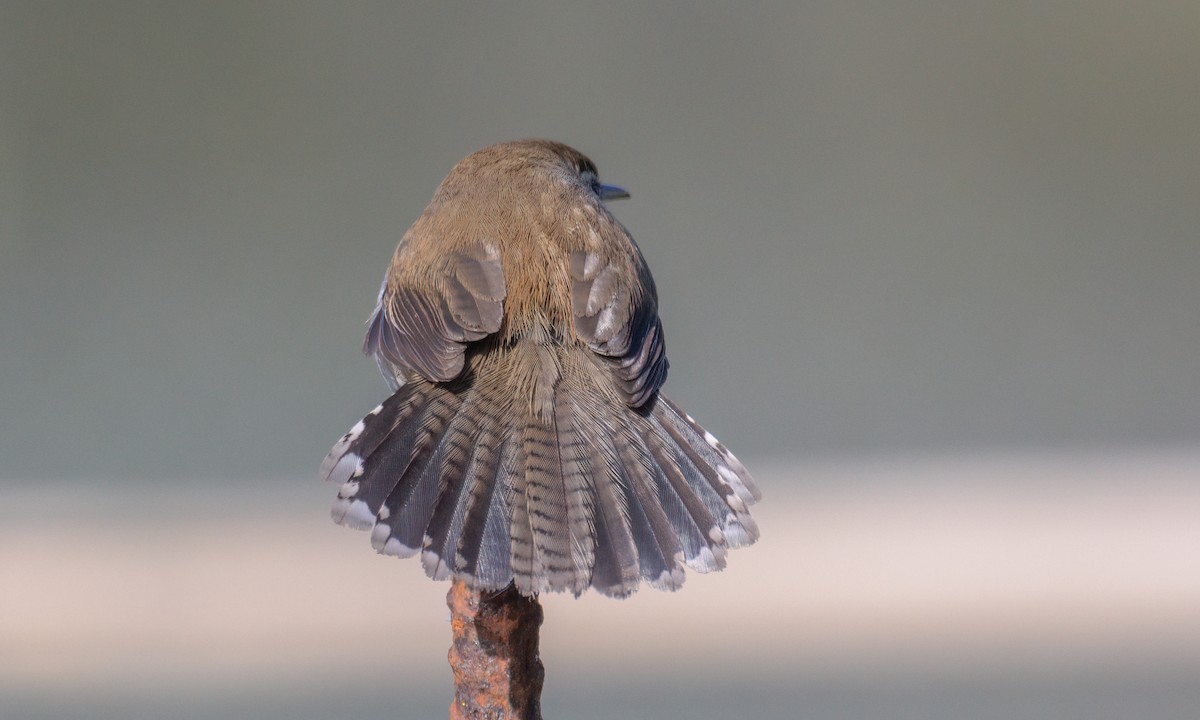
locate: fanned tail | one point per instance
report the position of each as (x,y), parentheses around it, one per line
(584,493)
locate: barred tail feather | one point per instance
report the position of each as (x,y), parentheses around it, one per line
(392,423)
(707,551)
(580,497)
(478,544)
(659,551)
(730,489)
(588,493)
(440,555)
(408,506)
(616,572)
(520,530)
(719,456)
(547,509)
(493,568)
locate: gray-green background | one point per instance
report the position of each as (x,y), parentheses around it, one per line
(875,226)
(881,232)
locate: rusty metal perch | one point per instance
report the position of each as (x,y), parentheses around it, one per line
(497,672)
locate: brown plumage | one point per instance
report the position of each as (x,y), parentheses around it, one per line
(527,440)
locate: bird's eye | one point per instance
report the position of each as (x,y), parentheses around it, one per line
(589,179)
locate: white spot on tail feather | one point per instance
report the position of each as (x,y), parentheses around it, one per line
(669,579)
(339,449)
(352,513)
(344,469)
(729,476)
(434,566)
(399,549)
(379,536)
(349,489)
(735,482)
(742,531)
(737,535)
(708,560)
(384,512)
(335,455)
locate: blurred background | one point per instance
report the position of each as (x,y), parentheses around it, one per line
(929,268)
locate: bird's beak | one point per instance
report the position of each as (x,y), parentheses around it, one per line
(612,192)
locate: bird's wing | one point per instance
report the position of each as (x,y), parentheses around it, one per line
(619,321)
(424,329)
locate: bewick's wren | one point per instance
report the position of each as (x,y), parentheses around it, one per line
(527,440)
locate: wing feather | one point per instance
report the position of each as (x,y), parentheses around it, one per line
(424,330)
(615,312)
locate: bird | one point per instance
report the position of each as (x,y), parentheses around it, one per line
(527,441)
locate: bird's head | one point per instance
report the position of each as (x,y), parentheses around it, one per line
(528,166)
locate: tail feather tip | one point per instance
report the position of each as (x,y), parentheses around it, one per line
(352,513)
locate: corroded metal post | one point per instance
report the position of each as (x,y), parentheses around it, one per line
(497,672)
